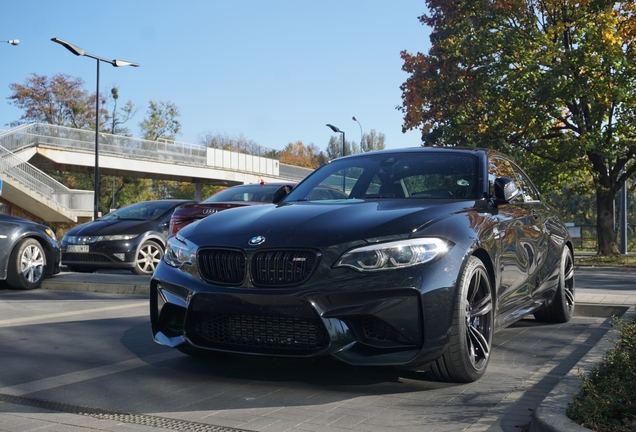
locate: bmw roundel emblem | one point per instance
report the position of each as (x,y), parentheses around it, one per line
(257,240)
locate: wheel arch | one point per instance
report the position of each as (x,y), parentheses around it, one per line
(483,255)
(154,237)
(46,247)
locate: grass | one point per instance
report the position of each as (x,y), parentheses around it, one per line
(604,261)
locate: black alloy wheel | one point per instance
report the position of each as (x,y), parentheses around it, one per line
(468,353)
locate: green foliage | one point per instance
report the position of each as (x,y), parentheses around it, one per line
(161,121)
(372,141)
(607,400)
(551,82)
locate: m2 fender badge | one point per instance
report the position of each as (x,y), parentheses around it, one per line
(254,241)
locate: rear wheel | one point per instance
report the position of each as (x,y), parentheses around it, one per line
(468,353)
(561,308)
(149,255)
(26,265)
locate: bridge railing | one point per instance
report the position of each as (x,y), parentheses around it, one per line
(15,169)
(160,151)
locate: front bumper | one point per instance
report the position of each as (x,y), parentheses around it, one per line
(393,318)
(111,254)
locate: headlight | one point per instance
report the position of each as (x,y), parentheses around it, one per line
(393,255)
(94,239)
(179,252)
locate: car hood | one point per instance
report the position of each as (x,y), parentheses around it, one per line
(111,227)
(323,222)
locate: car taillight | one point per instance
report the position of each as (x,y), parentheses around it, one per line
(177,224)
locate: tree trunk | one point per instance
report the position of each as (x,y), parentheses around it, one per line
(605,232)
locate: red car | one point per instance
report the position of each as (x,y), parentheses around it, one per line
(235,196)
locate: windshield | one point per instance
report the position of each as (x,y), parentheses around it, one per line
(252,192)
(148,210)
(429,175)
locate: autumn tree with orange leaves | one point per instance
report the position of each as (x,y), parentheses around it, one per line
(60,100)
(302,155)
(550,81)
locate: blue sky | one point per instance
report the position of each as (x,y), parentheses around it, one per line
(272,71)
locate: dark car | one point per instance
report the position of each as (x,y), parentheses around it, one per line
(433,251)
(235,196)
(29,251)
(133,237)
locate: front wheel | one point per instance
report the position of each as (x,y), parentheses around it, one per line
(561,308)
(148,257)
(466,358)
(26,265)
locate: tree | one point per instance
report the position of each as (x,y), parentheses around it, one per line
(372,141)
(550,81)
(161,121)
(118,116)
(334,148)
(61,100)
(299,154)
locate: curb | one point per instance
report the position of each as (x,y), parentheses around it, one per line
(98,283)
(550,415)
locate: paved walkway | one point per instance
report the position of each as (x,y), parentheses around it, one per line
(128,283)
(597,292)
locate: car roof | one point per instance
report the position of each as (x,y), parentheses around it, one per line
(431,149)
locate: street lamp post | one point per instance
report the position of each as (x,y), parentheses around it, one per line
(116,63)
(335,129)
(354,118)
(11,41)
(344,175)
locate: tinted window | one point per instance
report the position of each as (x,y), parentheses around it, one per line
(399,175)
(254,192)
(500,167)
(147,210)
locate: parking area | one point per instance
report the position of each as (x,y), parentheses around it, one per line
(76,360)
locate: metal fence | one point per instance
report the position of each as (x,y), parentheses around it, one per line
(173,152)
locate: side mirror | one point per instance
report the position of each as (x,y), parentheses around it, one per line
(505,190)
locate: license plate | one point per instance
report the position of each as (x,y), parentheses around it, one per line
(77,248)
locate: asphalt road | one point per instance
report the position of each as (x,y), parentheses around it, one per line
(73,361)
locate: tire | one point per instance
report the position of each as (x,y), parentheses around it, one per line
(148,257)
(27,265)
(78,269)
(466,358)
(561,308)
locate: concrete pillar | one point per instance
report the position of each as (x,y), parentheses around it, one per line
(198,187)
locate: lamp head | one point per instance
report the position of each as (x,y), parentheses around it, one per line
(354,118)
(13,41)
(69,46)
(122,63)
(333,128)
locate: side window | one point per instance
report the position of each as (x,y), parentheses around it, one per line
(528,190)
(499,167)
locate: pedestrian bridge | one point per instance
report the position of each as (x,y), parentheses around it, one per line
(27,149)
